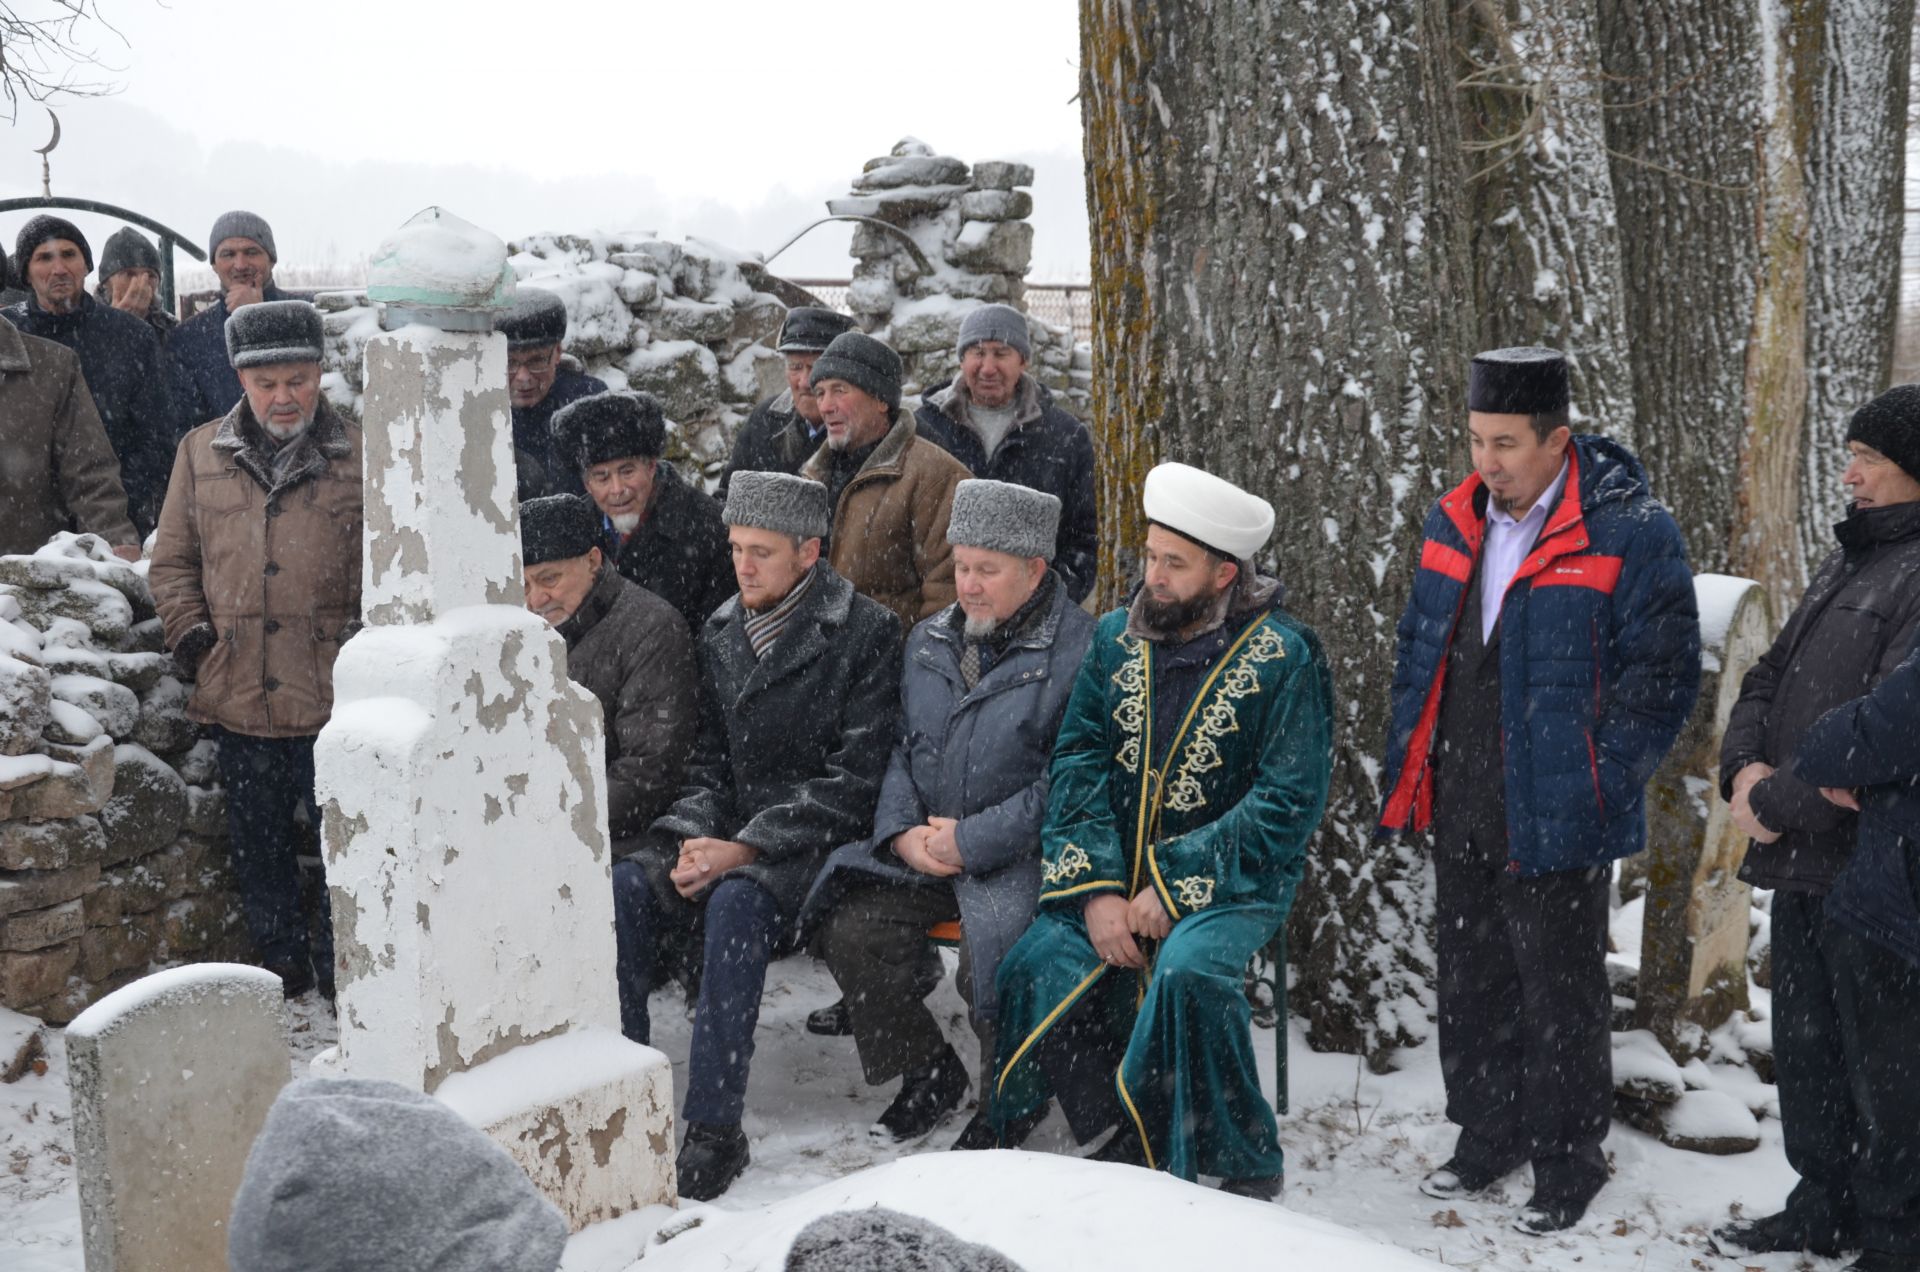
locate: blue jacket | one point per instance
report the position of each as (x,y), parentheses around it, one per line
(204,384)
(1599,663)
(1873,743)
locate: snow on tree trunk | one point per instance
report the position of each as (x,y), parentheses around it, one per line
(1683,80)
(1281,296)
(1543,235)
(1856,164)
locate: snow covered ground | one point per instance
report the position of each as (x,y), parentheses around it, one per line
(1356,1146)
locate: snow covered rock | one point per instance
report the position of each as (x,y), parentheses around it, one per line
(1643,1070)
(115,707)
(148,806)
(1709,1122)
(25,705)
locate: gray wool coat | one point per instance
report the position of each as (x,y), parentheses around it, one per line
(793,745)
(980,757)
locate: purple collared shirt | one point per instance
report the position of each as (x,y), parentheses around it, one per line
(1508,542)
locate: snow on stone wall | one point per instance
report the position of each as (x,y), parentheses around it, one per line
(112,824)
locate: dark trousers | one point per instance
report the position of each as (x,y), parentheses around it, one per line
(265,781)
(1525,1042)
(874,943)
(1081,1054)
(740,922)
(1846,1029)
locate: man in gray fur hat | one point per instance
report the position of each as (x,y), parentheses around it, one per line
(799,677)
(957,831)
(256,574)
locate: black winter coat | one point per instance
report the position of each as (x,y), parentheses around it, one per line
(122,363)
(202,384)
(775,439)
(543,469)
(1047,449)
(630,649)
(680,552)
(1872,745)
(1851,628)
(792,745)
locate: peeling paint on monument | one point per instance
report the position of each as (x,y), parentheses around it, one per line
(474,932)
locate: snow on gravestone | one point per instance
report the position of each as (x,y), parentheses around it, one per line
(460,777)
(1694,943)
(171,1078)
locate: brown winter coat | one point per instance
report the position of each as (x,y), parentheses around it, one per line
(57,470)
(890,524)
(631,650)
(264,576)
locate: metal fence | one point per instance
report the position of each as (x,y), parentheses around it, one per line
(1068,305)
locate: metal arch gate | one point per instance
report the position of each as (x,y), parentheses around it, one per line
(170,238)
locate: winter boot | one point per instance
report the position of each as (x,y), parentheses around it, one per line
(1543,1216)
(1779,1233)
(926,1096)
(710,1160)
(831,1021)
(1457,1179)
(978,1132)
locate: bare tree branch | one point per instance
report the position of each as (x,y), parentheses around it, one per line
(43,54)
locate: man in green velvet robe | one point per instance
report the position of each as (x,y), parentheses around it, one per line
(1190,770)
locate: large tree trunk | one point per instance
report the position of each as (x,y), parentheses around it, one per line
(1683,79)
(1281,297)
(1544,239)
(1856,178)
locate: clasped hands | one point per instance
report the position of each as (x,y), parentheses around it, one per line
(1749,822)
(932,848)
(1113,922)
(703,860)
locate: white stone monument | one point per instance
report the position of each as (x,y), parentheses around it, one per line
(172,1078)
(461,777)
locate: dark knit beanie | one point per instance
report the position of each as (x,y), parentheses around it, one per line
(43,228)
(128,249)
(557,528)
(864,363)
(537,317)
(996,322)
(1891,425)
(610,426)
(810,329)
(1526,380)
(276,331)
(242,225)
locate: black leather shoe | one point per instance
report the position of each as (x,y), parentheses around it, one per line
(978,1132)
(1257,1187)
(710,1160)
(926,1097)
(833,1021)
(1779,1233)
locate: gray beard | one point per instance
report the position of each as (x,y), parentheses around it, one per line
(282,436)
(980,628)
(625,522)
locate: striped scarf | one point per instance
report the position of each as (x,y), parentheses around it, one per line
(764,626)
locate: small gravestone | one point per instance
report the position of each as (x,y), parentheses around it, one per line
(171,1080)
(1693,954)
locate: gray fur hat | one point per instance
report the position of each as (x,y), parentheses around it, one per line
(880,1240)
(275,331)
(996,322)
(780,502)
(353,1173)
(242,225)
(1002,517)
(863,362)
(536,317)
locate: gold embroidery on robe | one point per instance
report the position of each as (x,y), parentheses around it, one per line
(1220,718)
(1073,861)
(1195,891)
(1131,713)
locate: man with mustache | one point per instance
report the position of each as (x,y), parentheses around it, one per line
(786,429)
(256,575)
(1190,771)
(1547,659)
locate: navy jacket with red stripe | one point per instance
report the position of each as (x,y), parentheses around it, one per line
(1599,663)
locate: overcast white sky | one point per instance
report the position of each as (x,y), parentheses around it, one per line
(730,119)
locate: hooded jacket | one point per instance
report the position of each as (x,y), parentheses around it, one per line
(1599,663)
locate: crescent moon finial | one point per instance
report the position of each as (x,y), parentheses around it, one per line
(48,148)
